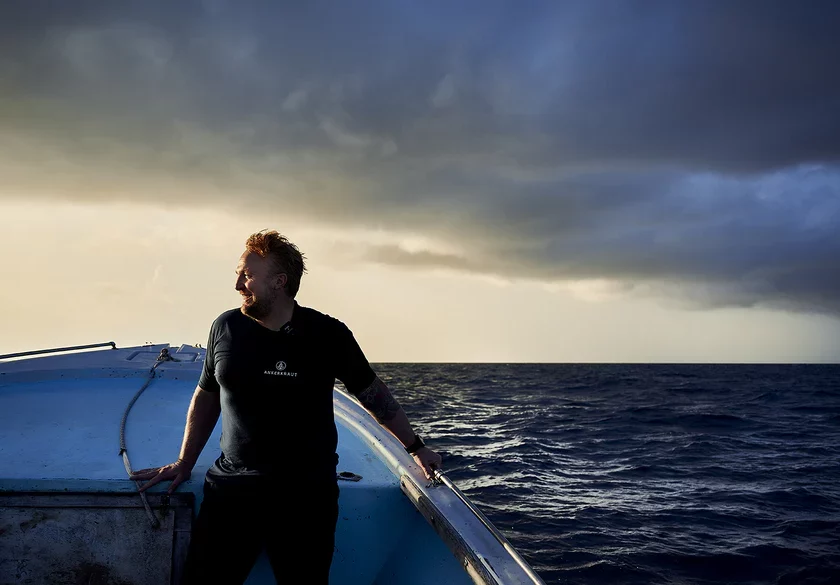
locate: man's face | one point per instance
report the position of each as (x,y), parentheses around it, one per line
(259,283)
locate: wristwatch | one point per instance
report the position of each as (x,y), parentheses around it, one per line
(416,445)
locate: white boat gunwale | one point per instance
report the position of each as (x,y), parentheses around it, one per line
(480,557)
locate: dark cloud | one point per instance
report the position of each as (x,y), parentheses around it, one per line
(768,241)
(689,145)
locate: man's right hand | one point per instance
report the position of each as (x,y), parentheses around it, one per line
(178,472)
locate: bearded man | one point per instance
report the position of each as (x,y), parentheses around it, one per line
(269,371)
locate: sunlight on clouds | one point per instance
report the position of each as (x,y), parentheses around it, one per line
(122,272)
(78,274)
(447,144)
(593,290)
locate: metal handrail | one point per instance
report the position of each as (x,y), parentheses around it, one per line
(393,453)
(57,349)
(439,477)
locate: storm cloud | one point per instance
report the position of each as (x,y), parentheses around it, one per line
(679,148)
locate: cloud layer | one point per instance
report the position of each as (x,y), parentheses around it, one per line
(686,148)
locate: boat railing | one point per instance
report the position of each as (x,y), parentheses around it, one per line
(6,356)
(422,496)
(440,478)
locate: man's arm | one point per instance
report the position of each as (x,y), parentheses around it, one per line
(379,401)
(202,416)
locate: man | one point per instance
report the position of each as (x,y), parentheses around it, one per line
(269,371)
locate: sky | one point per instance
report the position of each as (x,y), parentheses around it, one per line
(577,181)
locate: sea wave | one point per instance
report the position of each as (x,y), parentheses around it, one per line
(630,474)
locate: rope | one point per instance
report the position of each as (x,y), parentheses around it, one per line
(163,357)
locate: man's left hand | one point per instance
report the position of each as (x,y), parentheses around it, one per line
(429,461)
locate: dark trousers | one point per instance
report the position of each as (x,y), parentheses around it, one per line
(294,524)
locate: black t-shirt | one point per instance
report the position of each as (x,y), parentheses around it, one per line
(277,393)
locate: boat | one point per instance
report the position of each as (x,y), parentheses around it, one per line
(74,421)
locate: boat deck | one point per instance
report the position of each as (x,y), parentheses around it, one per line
(60,430)
(63,484)
(43,426)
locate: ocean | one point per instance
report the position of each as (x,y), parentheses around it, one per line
(626,474)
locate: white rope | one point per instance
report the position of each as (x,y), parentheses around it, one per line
(163,357)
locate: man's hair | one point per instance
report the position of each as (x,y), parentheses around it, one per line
(284,254)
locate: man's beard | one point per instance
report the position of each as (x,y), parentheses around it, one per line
(257,308)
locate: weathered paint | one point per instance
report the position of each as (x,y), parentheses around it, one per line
(89,538)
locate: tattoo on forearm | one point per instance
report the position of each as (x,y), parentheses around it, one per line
(379,400)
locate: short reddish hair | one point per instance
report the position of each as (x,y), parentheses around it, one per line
(285,255)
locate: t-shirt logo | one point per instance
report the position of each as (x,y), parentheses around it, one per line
(280,370)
